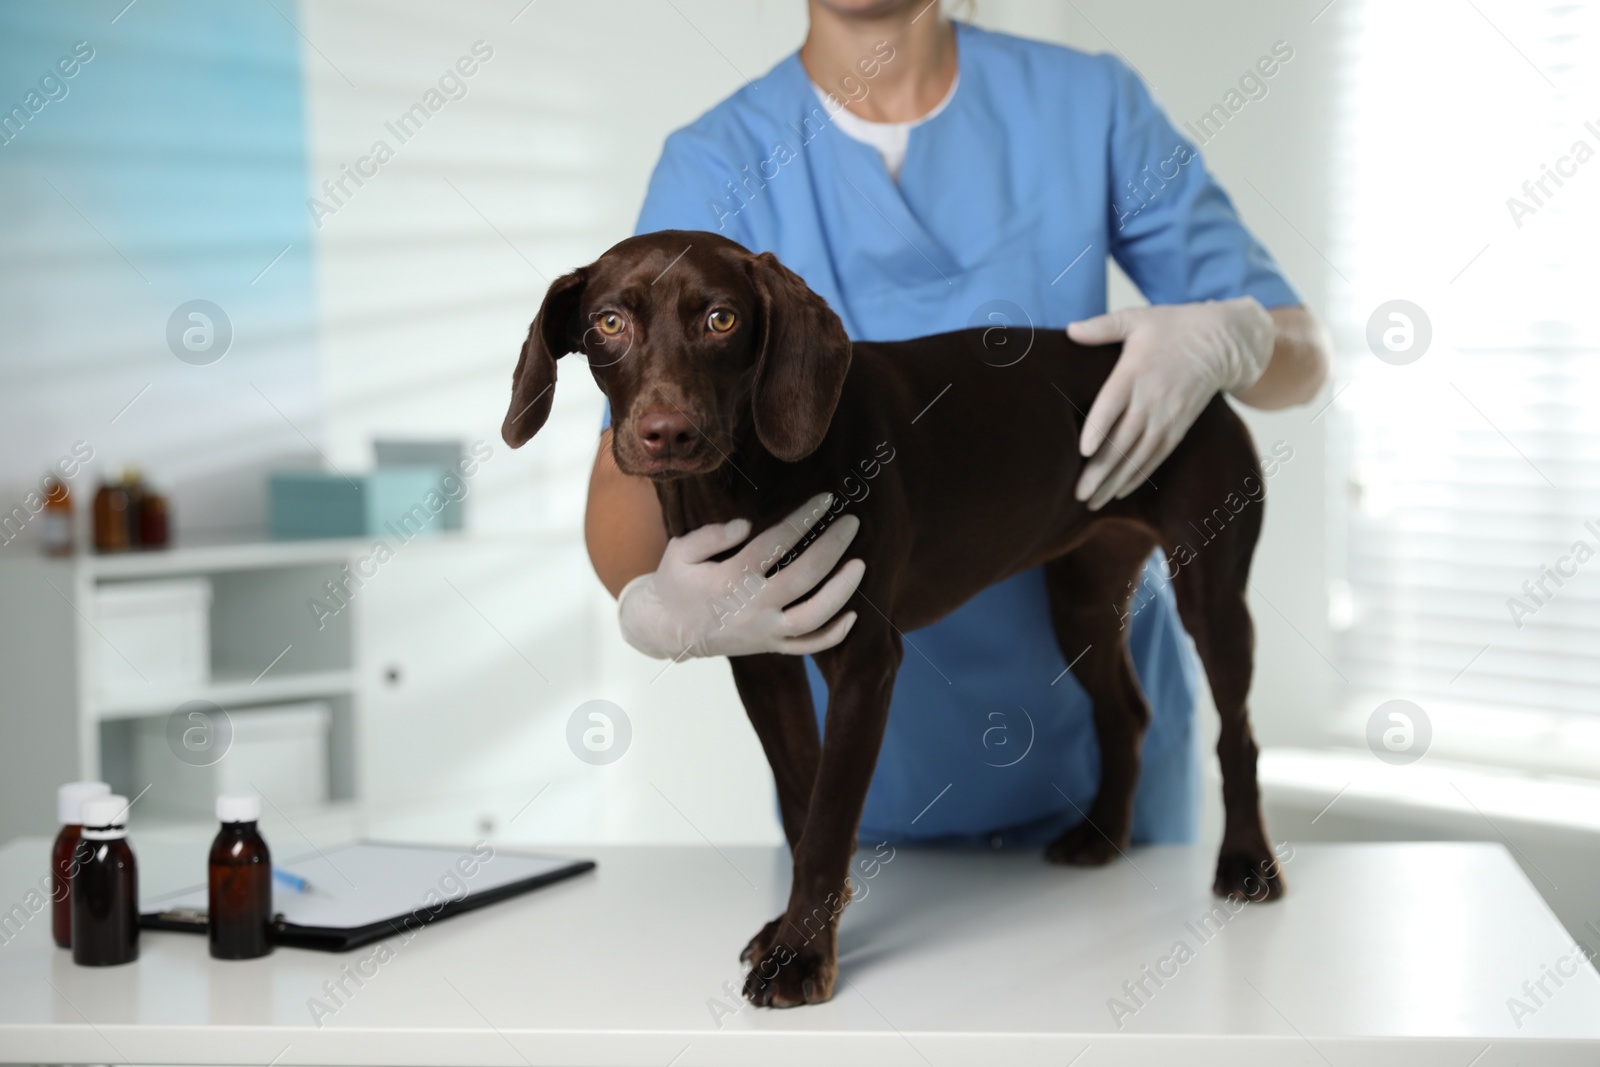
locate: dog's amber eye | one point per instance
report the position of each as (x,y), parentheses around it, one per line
(609,323)
(720,320)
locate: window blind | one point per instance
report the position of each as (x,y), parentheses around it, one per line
(1469,476)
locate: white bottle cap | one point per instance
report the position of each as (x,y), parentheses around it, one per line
(238,807)
(70,798)
(109,810)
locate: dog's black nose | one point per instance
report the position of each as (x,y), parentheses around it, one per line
(664,432)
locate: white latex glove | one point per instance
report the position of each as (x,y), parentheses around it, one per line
(695,606)
(1175,358)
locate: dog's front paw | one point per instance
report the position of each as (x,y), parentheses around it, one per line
(1082,846)
(1248,873)
(761,944)
(786,977)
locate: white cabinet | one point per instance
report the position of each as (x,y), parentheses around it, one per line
(471,661)
(448,667)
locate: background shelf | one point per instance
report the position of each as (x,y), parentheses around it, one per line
(228,693)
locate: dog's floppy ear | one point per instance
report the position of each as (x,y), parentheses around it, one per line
(554,333)
(801,367)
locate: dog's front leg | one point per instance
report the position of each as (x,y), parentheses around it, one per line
(794,959)
(777,698)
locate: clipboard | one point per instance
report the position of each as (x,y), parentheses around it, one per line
(366,891)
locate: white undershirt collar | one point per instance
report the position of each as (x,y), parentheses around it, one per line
(889,138)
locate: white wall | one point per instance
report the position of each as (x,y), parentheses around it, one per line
(431,272)
(429,276)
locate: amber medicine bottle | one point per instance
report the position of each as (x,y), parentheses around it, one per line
(69,810)
(105,887)
(240,908)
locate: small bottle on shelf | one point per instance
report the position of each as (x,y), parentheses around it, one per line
(105,887)
(155,527)
(240,904)
(55,524)
(69,810)
(111,533)
(133,486)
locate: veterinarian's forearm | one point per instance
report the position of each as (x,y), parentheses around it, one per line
(622,524)
(1300,358)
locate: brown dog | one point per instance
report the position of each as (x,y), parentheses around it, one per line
(735,389)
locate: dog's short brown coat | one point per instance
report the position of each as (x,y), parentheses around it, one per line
(983,428)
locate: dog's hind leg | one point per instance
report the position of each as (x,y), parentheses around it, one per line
(1211,583)
(1090,590)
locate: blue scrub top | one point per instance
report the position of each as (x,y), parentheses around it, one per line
(1045,161)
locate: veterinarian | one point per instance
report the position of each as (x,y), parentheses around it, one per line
(925,175)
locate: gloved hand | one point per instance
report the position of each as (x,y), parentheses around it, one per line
(695,606)
(1174,359)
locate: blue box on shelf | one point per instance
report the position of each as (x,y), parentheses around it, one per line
(445,457)
(404,502)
